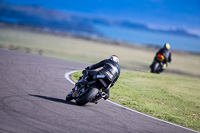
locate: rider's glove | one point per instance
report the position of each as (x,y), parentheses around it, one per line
(87,68)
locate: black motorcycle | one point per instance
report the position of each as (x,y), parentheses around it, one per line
(157,65)
(86,90)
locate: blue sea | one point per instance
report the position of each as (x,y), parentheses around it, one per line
(142,37)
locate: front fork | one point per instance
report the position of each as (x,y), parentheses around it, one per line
(75,92)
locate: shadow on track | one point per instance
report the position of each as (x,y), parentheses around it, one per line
(54,99)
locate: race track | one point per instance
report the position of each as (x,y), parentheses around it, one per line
(32,100)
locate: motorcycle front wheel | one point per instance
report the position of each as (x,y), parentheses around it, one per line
(69,96)
(155,67)
(87,97)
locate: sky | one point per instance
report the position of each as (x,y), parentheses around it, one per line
(162,14)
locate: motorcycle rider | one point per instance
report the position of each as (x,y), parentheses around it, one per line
(166,52)
(109,67)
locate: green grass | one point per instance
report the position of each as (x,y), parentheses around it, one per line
(136,58)
(165,96)
(171,98)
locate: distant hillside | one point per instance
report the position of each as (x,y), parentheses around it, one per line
(44,18)
(41,17)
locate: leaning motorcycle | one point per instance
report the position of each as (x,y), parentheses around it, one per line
(89,91)
(157,65)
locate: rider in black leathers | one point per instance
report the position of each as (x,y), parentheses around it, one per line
(166,52)
(109,67)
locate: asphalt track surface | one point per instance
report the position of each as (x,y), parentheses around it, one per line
(32,100)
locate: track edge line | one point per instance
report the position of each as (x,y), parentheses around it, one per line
(67,76)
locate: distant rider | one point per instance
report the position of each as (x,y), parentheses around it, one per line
(166,52)
(109,67)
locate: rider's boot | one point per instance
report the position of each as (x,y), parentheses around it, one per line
(164,66)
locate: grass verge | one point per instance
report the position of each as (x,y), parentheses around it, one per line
(171,98)
(133,57)
(168,97)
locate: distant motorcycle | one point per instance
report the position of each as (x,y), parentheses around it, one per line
(157,65)
(89,91)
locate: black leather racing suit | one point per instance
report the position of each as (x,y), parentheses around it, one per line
(166,53)
(109,68)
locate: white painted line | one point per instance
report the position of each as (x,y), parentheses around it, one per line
(67,76)
(150,116)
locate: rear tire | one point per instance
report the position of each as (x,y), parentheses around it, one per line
(87,97)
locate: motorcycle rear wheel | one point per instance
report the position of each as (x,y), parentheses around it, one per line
(87,97)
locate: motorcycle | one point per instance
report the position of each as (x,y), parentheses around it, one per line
(89,91)
(157,65)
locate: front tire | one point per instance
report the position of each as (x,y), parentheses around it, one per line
(69,96)
(87,97)
(155,67)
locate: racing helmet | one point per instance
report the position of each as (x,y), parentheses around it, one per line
(114,58)
(167,46)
